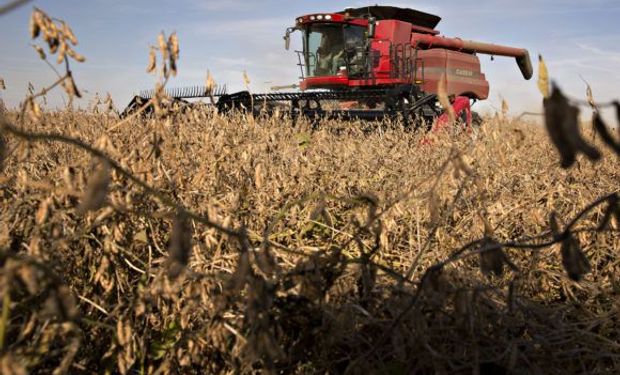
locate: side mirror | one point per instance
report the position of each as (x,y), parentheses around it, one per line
(372,25)
(287,38)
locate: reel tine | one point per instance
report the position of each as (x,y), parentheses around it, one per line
(187,92)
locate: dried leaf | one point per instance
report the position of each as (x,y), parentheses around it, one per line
(434,208)
(51,29)
(109,103)
(442,95)
(141,237)
(36,109)
(76,56)
(53,44)
(239,277)
(156,142)
(68,33)
(32,109)
(574,260)
(543,77)
(165,70)
(173,66)
(180,245)
(601,128)
(553,225)
(152,61)
(35,29)
(10,365)
(163,46)
(70,87)
(372,201)
(43,211)
(266,261)
(210,83)
(258,176)
(505,107)
(435,278)
(492,257)
(460,164)
(68,176)
(65,303)
(246,79)
(122,334)
(562,124)
(319,213)
(456,173)
(41,19)
(62,52)
(488,228)
(40,52)
(28,276)
(3,152)
(617,105)
(67,360)
(173,45)
(97,190)
(612,207)
(573,134)
(590,97)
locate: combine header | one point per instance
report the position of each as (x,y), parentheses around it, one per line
(387,60)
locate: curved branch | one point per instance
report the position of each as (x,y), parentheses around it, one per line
(12,6)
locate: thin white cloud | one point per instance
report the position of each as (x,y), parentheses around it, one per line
(243,27)
(225,5)
(606,54)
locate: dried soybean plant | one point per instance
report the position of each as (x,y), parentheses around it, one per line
(168,51)
(264,292)
(163,61)
(60,41)
(318,285)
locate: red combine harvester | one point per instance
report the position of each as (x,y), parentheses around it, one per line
(387,60)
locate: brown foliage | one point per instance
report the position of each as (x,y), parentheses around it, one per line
(562,122)
(312,280)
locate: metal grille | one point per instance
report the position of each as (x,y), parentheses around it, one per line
(187,92)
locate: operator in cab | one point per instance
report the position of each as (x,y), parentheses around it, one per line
(330,54)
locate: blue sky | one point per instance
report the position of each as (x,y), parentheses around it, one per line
(577,38)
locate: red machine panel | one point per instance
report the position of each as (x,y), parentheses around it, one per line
(394,31)
(462,71)
(389,34)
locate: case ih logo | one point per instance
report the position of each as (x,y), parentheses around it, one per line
(464,72)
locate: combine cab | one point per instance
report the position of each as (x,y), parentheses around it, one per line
(387,61)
